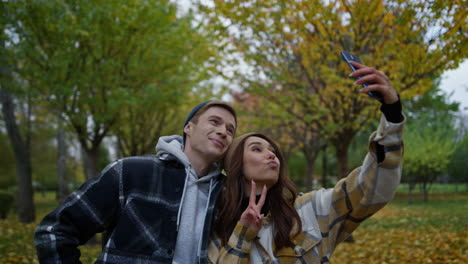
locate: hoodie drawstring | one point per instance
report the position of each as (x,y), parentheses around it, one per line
(206,212)
(179,213)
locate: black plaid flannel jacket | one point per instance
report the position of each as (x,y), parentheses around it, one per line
(135,200)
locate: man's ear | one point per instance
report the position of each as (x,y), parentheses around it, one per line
(188,128)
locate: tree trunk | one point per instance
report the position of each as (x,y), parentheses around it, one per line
(342,158)
(425,192)
(92,160)
(89,157)
(309,179)
(410,192)
(61,162)
(341,147)
(26,210)
(311,148)
(324,167)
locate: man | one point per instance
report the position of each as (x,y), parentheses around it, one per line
(155,209)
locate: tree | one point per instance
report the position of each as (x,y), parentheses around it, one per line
(20,143)
(26,209)
(265,117)
(291,49)
(183,54)
(268,118)
(429,144)
(94,60)
(430,137)
(62,190)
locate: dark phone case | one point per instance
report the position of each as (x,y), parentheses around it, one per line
(348,57)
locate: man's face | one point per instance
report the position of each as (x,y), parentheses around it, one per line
(212,135)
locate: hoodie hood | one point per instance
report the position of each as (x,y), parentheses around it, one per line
(171,147)
(194,202)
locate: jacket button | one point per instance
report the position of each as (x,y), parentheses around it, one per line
(169,252)
(174,218)
(177,189)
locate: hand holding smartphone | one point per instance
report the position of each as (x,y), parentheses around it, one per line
(348,57)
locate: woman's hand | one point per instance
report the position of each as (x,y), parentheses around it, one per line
(379,80)
(251,217)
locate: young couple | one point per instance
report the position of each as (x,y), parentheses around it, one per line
(177,206)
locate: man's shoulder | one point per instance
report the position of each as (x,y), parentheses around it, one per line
(139,159)
(149,161)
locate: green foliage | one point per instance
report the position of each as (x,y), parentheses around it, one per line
(458,166)
(6,201)
(125,66)
(89,57)
(436,188)
(359,146)
(43,150)
(430,135)
(44,155)
(429,144)
(297,169)
(158,94)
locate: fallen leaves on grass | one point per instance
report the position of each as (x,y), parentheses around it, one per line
(403,246)
(407,235)
(17,245)
(16,242)
(399,233)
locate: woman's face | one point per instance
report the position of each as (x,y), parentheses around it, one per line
(260,162)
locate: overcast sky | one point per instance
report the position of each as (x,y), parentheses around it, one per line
(457,81)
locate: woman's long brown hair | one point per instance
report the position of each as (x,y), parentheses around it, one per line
(280,198)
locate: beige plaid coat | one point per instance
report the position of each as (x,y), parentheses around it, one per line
(328,216)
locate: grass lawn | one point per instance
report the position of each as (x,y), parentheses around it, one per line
(433,232)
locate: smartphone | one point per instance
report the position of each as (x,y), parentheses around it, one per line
(348,57)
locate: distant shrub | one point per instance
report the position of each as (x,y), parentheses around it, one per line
(6,201)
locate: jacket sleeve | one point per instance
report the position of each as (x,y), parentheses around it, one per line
(237,250)
(85,212)
(338,211)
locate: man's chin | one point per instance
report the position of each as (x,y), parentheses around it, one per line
(217,154)
(218,146)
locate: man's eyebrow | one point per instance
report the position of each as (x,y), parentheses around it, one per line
(220,118)
(214,116)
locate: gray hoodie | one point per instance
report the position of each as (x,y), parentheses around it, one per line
(194,203)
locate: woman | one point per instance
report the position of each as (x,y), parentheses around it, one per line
(261,220)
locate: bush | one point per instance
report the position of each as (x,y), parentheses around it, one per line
(6,201)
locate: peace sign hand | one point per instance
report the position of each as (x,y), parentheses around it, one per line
(251,217)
